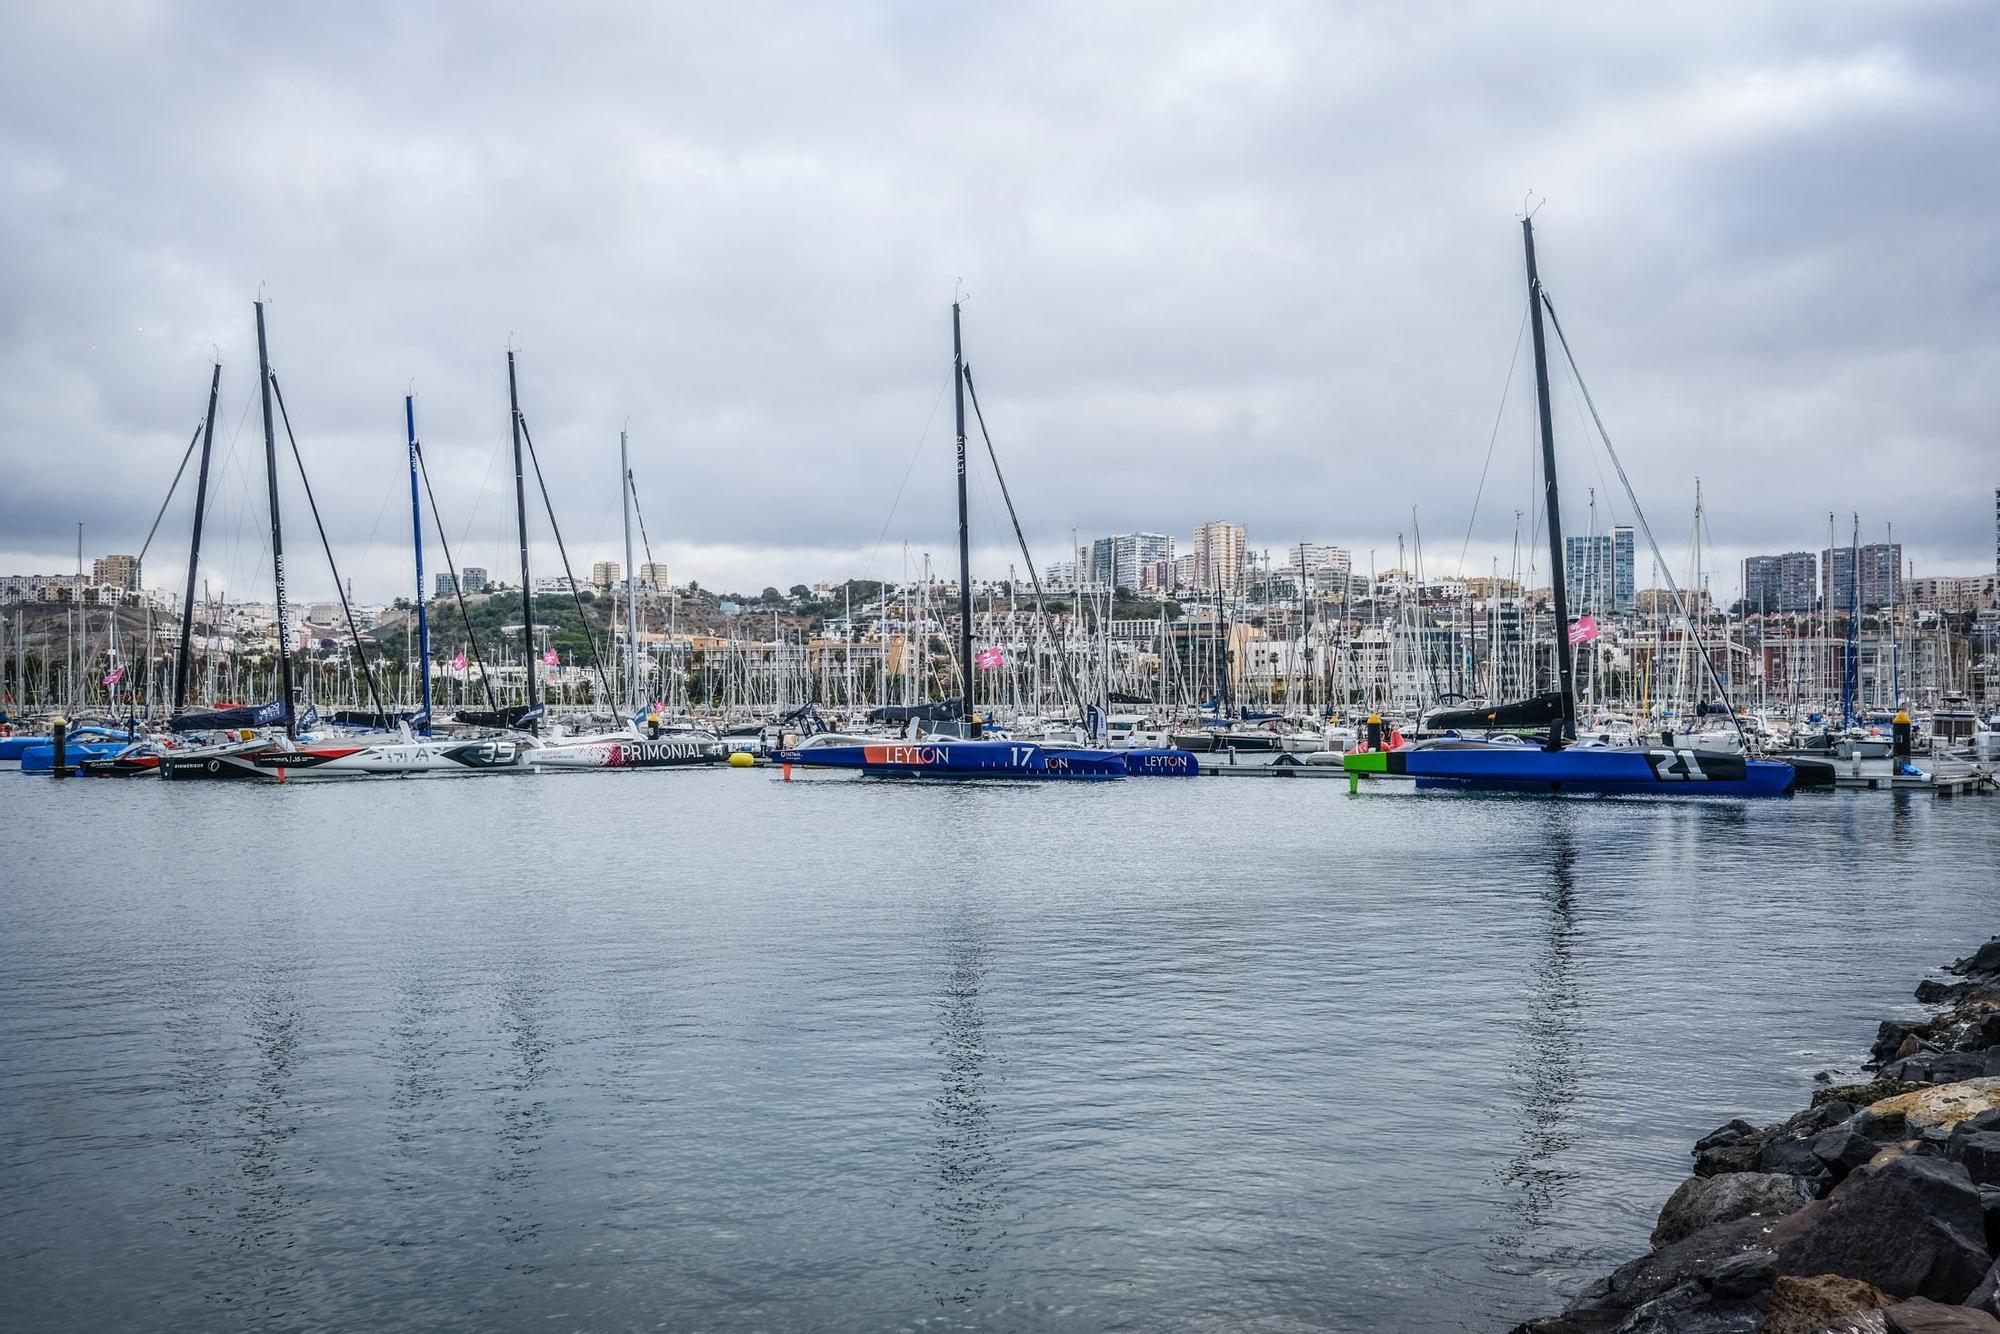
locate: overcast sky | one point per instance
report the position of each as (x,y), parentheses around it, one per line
(1254,261)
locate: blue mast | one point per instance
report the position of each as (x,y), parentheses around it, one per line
(417,530)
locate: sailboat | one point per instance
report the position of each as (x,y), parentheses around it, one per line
(955,748)
(627,747)
(616,748)
(1558,764)
(261,753)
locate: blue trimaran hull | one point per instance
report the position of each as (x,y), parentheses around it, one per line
(1487,766)
(947,758)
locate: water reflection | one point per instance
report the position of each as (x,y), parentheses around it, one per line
(267,1121)
(419,1041)
(965,1144)
(1544,1071)
(525,1117)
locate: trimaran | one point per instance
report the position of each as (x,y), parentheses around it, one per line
(389,746)
(1557,764)
(954,746)
(624,747)
(385,744)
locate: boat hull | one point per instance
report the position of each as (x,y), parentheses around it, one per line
(270,762)
(41,758)
(960,759)
(1160,762)
(623,752)
(1480,766)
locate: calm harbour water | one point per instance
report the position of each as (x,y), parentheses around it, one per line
(711,1051)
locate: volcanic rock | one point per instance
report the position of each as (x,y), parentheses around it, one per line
(1800,1305)
(1910,1225)
(1701,1202)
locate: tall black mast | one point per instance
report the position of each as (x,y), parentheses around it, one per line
(521,520)
(964,535)
(277,530)
(1565,660)
(185,661)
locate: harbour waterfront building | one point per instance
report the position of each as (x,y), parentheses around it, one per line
(1219,548)
(1954,593)
(120,572)
(1881,576)
(1599,570)
(1781,584)
(1323,564)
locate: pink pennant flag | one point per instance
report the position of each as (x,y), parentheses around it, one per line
(988,658)
(114,676)
(550,659)
(1582,630)
(458,663)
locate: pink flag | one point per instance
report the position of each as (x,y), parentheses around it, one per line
(1582,630)
(550,659)
(988,658)
(458,663)
(114,676)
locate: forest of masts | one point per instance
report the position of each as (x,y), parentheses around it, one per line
(1396,654)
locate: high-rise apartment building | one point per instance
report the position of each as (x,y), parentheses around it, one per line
(117,571)
(473,579)
(604,574)
(1121,562)
(442,585)
(1218,556)
(1881,577)
(1598,570)
(652,575)
(1782,584)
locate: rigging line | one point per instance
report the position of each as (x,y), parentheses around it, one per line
(366,671)
(1576,406)
(916,453)
(645,542)
(1639,513)
(369,546)
(171,487)
(472,516)
(1506,388)
(1062,653)
(589,639)
(458,590)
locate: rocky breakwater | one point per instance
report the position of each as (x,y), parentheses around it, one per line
(1877,1208)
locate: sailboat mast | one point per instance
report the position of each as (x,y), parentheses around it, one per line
(521,527)
(964,533)
(277,529)
(1565,659)
(184,663)
(417,532)
(631,585)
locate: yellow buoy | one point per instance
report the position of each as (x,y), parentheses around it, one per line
(741,759)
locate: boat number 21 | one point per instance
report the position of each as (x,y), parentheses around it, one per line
(1676,766)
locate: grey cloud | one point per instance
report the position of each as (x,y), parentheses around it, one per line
(1259,263)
